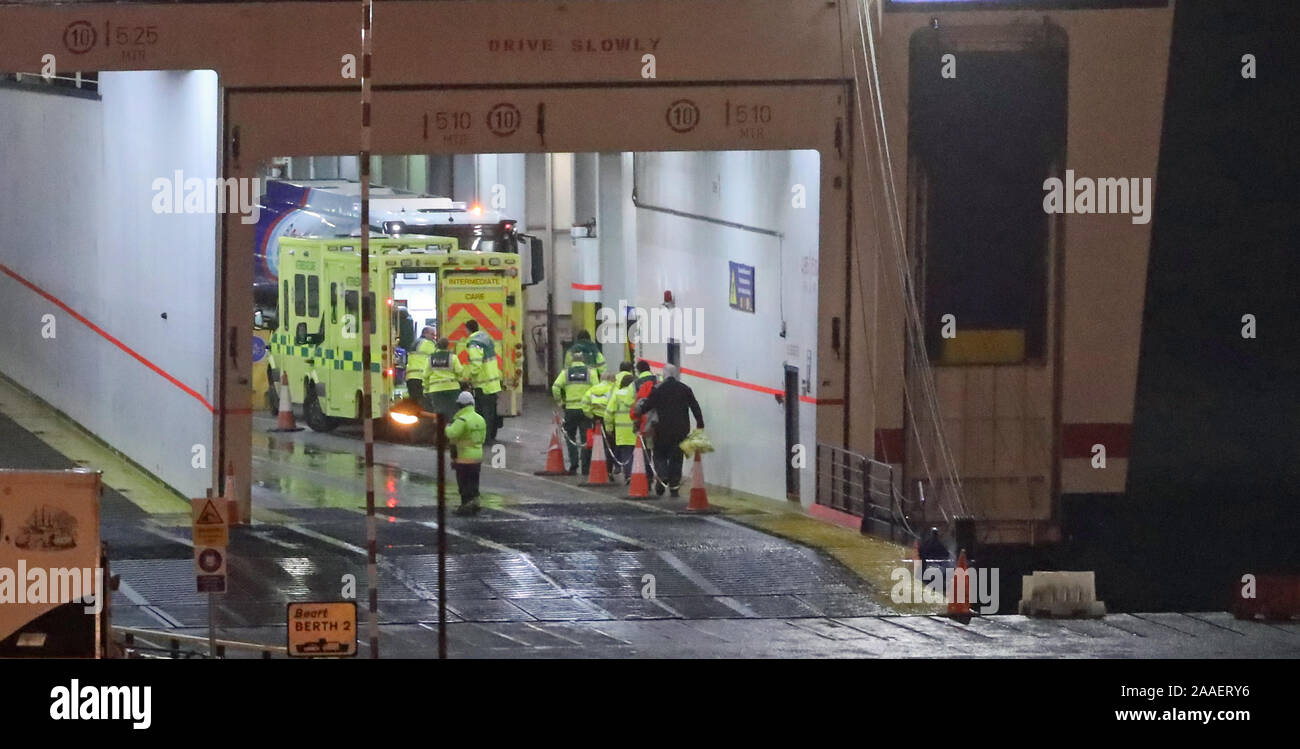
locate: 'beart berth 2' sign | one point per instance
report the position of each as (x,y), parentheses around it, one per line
(323,629)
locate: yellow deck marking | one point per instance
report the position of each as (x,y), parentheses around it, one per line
(76,444)
(870,558)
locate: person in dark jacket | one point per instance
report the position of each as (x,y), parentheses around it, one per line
(674,403)
(933,552)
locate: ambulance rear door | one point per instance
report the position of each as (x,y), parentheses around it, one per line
(474,294)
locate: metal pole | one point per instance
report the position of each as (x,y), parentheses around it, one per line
(442,538)
(212,629)
(817,474)
(367,320)
(867,508)
(551,337)
(212,626)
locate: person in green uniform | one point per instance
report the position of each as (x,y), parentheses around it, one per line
(618,412)
(593,407)
(485,375)
(591,353)
(568,390)
(417,362)
(466,433)
(442,380)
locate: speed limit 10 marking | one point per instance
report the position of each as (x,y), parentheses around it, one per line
(79,37)
(682,116)
(503,119)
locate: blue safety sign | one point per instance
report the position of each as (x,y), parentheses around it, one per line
(259,349)
(741,295)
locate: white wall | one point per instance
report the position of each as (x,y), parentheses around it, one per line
(78,222)
(505,170)
(690,257)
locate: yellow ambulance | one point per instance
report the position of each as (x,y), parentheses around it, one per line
(423,280)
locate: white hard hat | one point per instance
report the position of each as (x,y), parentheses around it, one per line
(465,398)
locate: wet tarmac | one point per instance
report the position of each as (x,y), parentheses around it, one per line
(550,569)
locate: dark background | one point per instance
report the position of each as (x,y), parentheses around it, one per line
(1215,475)
(1214,478)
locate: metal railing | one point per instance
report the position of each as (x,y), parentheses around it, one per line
(74,83)
(133,642)
(864,488)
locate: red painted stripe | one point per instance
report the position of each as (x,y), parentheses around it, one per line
(1077,439)
(586,286)
(748,385)
(484,322)
(106,336)
(830,514)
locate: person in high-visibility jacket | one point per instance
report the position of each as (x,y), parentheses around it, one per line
(593,407)
(591,353)
(417,363)
(645,382)
(485,375)
(618,412)
(442,380)
(568,390)
(466,433)
(644,375)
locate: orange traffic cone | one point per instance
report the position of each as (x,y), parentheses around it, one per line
(959,599)
(554,454)
(598,475)
(639,488)
(232,499)
(284,420)
(699,501)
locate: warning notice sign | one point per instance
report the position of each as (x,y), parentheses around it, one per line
(211,536)
(326,629)
(210,569)
(211,526)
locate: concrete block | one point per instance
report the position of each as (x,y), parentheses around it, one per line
(1062,595)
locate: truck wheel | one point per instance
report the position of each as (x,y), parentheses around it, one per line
(314,414)
(272,392)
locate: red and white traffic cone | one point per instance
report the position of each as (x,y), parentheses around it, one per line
(959,599)
(599,474)
(639,488)
(699,501)
(284,419)
(554,454)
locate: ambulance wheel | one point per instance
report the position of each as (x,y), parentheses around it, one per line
(272,392)
(314,414)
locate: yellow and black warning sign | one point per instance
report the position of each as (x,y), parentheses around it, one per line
(323,629)
(211,526)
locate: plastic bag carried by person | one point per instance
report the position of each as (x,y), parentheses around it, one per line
(696,442)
